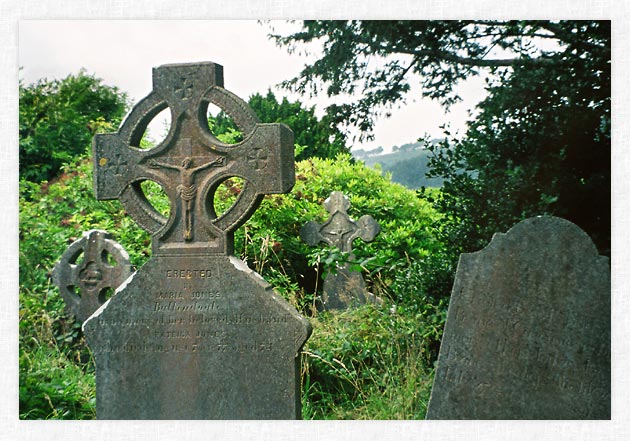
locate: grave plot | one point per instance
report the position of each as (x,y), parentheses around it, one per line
(195,334)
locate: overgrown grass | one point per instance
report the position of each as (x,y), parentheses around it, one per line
(55,386)
(368,363)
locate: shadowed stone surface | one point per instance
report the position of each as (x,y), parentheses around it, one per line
(87,270)
(343,288)
(197,338)
(195,334)
(528,329)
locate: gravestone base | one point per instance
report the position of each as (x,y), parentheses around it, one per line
(197,337)
(345,289)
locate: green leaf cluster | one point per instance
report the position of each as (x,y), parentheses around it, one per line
(58,119)
(314,137)
(56,369)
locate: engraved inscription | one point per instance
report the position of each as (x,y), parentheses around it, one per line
(177,314)
(188,273)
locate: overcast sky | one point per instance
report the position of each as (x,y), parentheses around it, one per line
(123,52)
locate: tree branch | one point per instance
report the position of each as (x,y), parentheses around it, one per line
(480,62)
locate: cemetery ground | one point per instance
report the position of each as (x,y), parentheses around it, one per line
(372,362)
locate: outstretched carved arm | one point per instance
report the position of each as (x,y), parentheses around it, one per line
(154,164)
(220,159)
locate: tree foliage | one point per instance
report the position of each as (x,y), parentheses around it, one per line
(315,137)
(541,140)
(378,60)
(58,119)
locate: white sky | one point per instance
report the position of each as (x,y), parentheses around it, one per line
(122,53)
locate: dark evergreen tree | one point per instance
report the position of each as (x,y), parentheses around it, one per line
(314,137)
(541,140)
(58,119)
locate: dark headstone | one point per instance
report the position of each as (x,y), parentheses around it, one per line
(342,288)
(528,329)
(90,268)
(195,334)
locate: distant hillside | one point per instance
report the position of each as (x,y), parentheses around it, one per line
(408,164)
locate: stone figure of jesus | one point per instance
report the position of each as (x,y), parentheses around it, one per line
(187,189)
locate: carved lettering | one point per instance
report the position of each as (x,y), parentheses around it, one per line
(188,273)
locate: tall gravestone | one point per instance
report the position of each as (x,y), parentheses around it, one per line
(194,333)
(342,288)
(87,270)
(527,334)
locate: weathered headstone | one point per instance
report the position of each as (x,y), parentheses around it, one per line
(87,270)
(345,287)
(195,334)
(528,329)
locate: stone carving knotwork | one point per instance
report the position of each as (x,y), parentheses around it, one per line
(191,163)
(345,287)
(84,281)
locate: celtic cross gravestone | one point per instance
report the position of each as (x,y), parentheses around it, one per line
(527,334)
(342,288)
(195,334)
(90,268)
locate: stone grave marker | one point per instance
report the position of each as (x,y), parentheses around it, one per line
(194,333)
(343,288)
(527,334)
(87,270)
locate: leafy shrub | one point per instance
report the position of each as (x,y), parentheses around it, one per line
(317,138)
(58,119)
(56,370)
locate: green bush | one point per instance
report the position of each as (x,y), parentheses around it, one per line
(386,356)
(270,241)
(58,119)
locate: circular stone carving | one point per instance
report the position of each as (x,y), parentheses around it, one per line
(91,275)
(132,197)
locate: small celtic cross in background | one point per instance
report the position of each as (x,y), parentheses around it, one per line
(342,288)
(87,269)
(339,230)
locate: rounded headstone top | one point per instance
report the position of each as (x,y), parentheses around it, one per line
(546,230)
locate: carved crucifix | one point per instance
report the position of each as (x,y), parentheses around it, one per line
(187,189)
(191,163)
(343,288)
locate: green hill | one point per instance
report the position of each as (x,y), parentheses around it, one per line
(408,165)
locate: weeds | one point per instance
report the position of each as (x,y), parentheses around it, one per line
(367,363)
